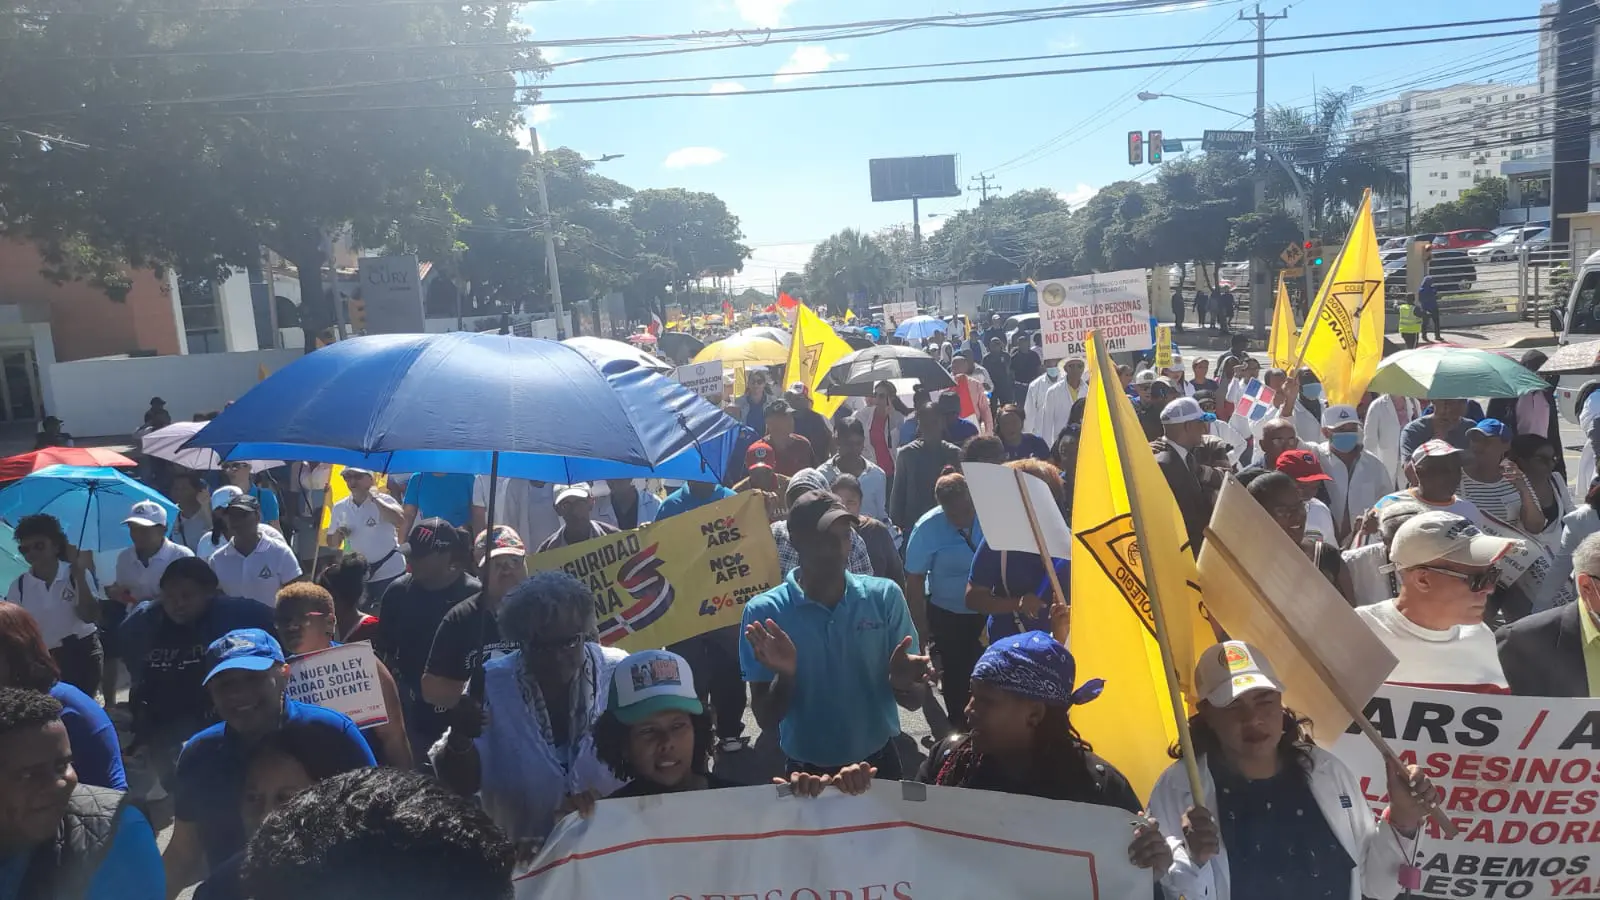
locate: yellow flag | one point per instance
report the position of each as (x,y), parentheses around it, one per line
(1280,344)
(812,351)
(738,380)
(337,490)
(1133,722)
(1343,336)
(849,315)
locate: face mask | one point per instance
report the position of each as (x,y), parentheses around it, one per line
(1314,391)
(1345,441)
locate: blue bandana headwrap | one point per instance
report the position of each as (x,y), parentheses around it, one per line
(1036,666)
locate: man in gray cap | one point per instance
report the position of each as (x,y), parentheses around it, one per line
(1194,484)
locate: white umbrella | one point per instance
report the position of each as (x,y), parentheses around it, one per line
(167,443)
(599,348)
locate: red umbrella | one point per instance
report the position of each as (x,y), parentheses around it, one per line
(25,464)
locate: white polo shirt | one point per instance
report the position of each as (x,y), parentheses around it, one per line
(270,566)
(143,577)
(210,545)
(370,535)
(53,605)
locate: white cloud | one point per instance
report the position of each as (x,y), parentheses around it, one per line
(726,87)
(807,59)
(762,13)
(553,54)
(538,115)
(685,157)
(1078,195)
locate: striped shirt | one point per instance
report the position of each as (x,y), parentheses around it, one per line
(1499,499)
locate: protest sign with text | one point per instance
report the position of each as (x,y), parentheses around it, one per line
(891,843)
(674,579)
(1116,304)
(343,679)
(1518,776)
(704,378)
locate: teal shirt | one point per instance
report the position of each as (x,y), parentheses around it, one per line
(937,549)
(841,709)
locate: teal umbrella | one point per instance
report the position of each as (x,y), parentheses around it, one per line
(1453,373)
(11,562)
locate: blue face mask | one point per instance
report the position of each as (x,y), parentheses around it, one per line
(1313,390)
(1345,441)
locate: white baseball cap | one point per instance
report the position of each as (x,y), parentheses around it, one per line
(1438,536)
(580,491)
(1145,376)
(1231,669)
(148,514)
(1334,416)
(649,682)
(1183,409)
(224,495)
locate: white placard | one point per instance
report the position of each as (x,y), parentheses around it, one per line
(343,679)
(891,843)
(704,378)
(1117,304)
(898,311)
(391,288)
(998,497)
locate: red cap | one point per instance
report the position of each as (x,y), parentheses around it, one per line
(1302,466)
(759,456)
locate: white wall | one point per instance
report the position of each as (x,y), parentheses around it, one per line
(107,396)
(238,313)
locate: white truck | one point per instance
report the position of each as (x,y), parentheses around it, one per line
(1579,323)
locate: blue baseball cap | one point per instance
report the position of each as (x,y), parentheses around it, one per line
(1492,428)
(250,649)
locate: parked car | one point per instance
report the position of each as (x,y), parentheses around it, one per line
(1463,238)
(1505,228)
(1505,247)
(1452,270)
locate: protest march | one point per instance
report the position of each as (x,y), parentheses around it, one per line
(479,615)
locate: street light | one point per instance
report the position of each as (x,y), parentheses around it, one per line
(1150,95)
(606,158)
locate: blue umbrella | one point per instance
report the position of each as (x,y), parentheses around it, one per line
(919,327)
(90,503)
(475,403)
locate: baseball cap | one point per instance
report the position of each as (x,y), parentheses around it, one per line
(352,470)
(250,649)
(1435,447)
(147,513)
(1302,466)
(799,389)
(244,501)
(1491,428)
(1438,536)
(1334,416)
(1183,409)
(432,535)
(504,542)
(1145,376)
(222,496)
(649,682)
(815,512)
(579,490)
(157,401)
(759,456)
(1231,669)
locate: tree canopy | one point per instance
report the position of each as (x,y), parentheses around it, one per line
(1478,207)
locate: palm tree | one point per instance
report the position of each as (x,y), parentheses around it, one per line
(1335,165)
(848,266)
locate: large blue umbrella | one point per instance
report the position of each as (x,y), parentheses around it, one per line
(453,402)
(90,503)
(918,327)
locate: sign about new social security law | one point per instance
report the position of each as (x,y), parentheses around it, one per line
(703,378)
(674,579)
(1117,304)
(891,843)
(1519,777)
(343,679)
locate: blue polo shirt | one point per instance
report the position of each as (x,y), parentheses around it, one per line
(447,496)
(681,501)
(211,770)
(841,710)
(938,550)
(1023,574)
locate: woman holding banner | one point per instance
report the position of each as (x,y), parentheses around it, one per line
(1290,819)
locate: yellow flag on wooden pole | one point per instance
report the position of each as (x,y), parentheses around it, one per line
(812,351)
(1280,344)
(1343,336)
(1136,609)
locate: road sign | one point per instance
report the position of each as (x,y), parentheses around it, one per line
(1292,255)
(1227,140)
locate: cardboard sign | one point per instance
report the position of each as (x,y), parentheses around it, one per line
(1163,347)
(343,679)
(1116,304)
(898,311)
(704,378)
(997,494)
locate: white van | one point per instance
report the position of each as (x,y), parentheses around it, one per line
(1580,323)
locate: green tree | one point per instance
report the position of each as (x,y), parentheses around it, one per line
(1478,207)
(1010,238)
(1333,164)
(683,236)
(848,267)
(792,283)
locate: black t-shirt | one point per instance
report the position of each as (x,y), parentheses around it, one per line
(644,787)
(1105,786)
(466,631)
(411,617)
(166,660)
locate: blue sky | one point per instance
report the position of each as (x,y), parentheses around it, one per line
(794,167)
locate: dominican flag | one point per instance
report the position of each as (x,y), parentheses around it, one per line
(1257,403)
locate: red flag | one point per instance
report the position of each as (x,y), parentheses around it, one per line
(769,308)
(655,325)
(964,391)
(786,301)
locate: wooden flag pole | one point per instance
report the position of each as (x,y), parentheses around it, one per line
(1163,640)
(1046,557)
(1356,711)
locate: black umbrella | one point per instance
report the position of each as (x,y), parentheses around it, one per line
(857,340)
(854,375)
(1574,359)
(678,345)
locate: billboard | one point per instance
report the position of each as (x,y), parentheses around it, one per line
(913,177)
(391,287)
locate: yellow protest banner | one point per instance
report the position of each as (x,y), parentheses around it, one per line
(1343,336)
(671,580)
(813,350)
(1115,605)
(1280,343)
(337,490)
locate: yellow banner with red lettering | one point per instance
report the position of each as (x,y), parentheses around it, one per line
(671,580)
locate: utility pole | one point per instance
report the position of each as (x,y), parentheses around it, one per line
(549,228)
(1259,286)
(1569,164)
(983,179)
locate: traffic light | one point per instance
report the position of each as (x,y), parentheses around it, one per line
(1155,148)
(1313,253)
(358,316)
(1135,148)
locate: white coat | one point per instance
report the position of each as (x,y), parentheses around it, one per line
(864,415)
(1587,416)
(1048,405)
(1381,434)
(1353,491)
(1378,855)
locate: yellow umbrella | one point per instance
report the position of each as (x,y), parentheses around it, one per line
(745,349)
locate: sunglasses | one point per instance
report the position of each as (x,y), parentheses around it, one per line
(1476,581)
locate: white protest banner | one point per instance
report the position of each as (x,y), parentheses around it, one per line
(899,311)
(704,378)
(1519,777)
(997,494)
(1116,304)
(750,844)
(343,679)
